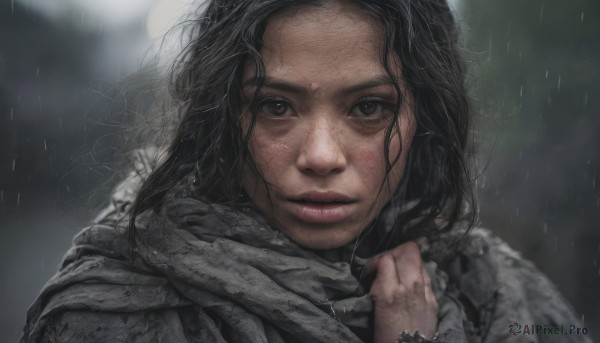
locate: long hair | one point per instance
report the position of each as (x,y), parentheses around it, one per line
(211,142)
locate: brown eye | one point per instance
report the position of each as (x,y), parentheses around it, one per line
(368,108)
(279,108)
(275,107)
(372,108)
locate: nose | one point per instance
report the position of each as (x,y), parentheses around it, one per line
(322,152)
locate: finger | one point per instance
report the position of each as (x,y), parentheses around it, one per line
(371,266)
(408,264)
(386,278)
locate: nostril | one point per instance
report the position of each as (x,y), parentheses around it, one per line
(322,153)
(322,165)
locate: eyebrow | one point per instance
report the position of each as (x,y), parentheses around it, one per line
(380,80)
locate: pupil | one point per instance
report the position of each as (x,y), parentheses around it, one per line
(368,108)
(279,108)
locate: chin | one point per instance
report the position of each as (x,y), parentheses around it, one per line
(320,239)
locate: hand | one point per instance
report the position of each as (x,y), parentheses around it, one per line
(402,294)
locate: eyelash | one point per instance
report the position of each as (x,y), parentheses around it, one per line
(385,106)
(373,118)
(261,103)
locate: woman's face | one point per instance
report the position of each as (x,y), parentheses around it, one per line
(318,139)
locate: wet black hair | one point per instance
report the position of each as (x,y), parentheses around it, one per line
(212,144)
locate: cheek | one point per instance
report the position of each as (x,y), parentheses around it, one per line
(371,163)
(271,156)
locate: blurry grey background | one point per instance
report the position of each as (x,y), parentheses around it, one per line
(535,88)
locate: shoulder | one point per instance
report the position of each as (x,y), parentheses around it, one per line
(141,163)
(89,326)
(516,290)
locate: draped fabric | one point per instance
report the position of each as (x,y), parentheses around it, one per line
(210,273)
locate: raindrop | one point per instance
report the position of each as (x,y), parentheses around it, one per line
(582,14)
(594,184)
(555,243)
(541,13)
(520,54)
(37,73)
(520,155)
(546,74)
(60,122)
(559,80)
(527,175)
(585,99)
(18,199)
(517,211)
(549,100)
(545,228)
(45,146)
(521,91)
(12,6)
(508,47)
(14,164)
(68,189)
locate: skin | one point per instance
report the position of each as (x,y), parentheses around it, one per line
(402,294)
(322,115)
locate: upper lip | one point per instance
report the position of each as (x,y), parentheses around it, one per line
(324,197)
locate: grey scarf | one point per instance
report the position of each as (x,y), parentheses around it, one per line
(207,273)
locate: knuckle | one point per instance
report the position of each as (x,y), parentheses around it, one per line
(418,284)
(389,297)
(382,299)
(401,290)
(411,248)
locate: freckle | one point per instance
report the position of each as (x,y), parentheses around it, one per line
(314,87)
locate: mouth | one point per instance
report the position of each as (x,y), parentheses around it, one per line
(321,207)
(320,203)
(322,198)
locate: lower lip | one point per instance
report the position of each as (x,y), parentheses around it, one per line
(318,213)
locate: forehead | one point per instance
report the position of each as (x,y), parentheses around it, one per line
(335,15)
(313,44)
